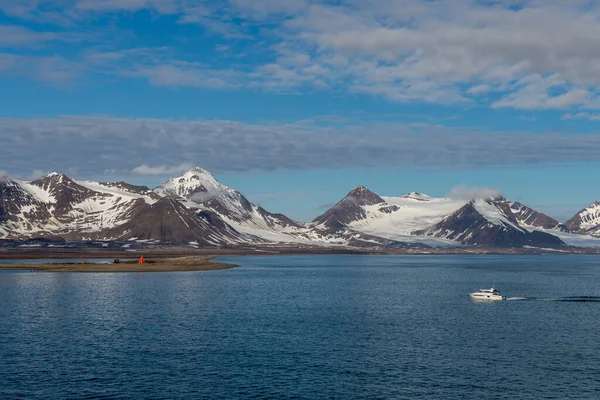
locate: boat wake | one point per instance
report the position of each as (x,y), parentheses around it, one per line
(573,299)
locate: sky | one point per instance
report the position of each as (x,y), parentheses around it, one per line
(295,102)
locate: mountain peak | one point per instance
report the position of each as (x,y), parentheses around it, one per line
(199,172)
(194,182)
(52,179)
(585,221)
(349,209)
(362,195)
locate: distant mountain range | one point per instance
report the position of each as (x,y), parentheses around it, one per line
(196,210)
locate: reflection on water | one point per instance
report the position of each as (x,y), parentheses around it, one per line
(307,327)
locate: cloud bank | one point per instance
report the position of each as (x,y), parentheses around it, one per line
(92,146)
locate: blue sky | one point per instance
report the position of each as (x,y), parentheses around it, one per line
(295,102)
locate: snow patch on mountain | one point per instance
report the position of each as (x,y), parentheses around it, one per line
(586,221)
(121,194)
(39,193)
(417,196)
(490,211)
(411,213)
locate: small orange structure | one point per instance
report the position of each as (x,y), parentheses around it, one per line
(141,260)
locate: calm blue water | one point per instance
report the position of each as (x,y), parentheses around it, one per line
(307,327)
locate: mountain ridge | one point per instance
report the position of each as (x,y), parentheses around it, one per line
(195,209)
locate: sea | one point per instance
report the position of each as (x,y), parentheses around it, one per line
(307,327)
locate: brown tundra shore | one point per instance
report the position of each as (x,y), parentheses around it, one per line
(190,263)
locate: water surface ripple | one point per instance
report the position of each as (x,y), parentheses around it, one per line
(377,327)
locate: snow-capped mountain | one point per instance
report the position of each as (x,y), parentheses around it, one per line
(195,209)
(20,208)
(198,190)
(439,222)
(586,221)
(489,222)
(169,221)
(530,218)
(392,218)
(58,206)
(352,208)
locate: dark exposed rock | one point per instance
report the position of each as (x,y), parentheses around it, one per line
(470,227)
(14,200)
(586,221)
(529,217)
(12,197)
(168,221)
(65,191)
(350,209)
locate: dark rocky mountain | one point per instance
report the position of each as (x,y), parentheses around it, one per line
(12,198)
(64,190)
(529,217)
(20,210)
(489,222)
(351,209)
(586,221)
(168,221)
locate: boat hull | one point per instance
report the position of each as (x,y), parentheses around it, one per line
(486,297)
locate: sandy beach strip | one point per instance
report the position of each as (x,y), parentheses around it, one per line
(190,263)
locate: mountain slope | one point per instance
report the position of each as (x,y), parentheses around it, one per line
(56,206)
(21,209)
(200,191)
(586,221)
(489,222)
(168,221)
(351,209)
(529,217)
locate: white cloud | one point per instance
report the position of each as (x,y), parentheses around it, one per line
(582,115)
(17,35)
(161,170)
(529,54)
(162,6)
(463,192)
(535,92)
(48,69)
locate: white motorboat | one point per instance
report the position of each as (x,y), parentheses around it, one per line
(487,295)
